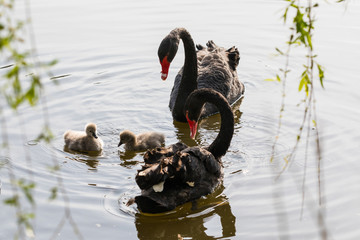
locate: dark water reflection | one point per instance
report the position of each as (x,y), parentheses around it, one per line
(89,158)
(125,156)
(191,223)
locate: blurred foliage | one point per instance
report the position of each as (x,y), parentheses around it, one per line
(301,28)
(20,83)
(300,17)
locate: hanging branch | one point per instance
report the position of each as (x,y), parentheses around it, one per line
(18,90)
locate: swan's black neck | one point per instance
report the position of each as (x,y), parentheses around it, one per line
(189,75)
(222,142)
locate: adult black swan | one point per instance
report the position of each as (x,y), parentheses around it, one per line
(211,67)
(178,174)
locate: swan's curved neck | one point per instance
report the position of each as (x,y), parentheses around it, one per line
(222,142)
(189,75)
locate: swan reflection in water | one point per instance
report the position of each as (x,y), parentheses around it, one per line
(90,158)
(126,158)
(188,220)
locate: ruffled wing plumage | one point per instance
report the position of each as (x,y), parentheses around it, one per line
(175,175)
(216,70)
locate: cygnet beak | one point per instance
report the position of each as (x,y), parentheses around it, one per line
(94,135)
(120,143)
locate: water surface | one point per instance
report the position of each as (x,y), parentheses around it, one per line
(109,73)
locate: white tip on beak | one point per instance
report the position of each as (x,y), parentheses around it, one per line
(163,76)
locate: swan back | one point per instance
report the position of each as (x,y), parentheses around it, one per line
(217,70)
(141,142)
(151,139)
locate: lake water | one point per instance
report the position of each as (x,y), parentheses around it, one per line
(109,73)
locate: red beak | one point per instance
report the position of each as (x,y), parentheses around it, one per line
(193,126)
(164,68)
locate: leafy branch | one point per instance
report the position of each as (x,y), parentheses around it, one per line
(21,83)
(301,28)
(300,16)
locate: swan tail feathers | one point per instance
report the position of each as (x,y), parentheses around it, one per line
(211,45)
(234,57)
(199,47)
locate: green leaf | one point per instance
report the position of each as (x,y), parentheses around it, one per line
(308,37)
(285,14)
(54,168)
(28,195)
(321,74)
(13,201)
(25,217)
(53,195)
(302,83)
(26,188)
(53,62)
(278,50)
(314,122)
(46,135)
(277,78)
(13,72)
(286,159)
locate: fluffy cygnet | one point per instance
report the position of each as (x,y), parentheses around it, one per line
(141,142)
(83,141)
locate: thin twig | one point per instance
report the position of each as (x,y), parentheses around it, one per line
(283,91)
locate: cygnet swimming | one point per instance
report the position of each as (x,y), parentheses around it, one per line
(141,142)
(83,141)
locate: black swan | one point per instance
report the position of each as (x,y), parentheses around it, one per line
(178,174)
(142,141)
(211,67)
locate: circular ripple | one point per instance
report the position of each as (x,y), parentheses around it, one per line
(4,161)
(32,143)
(115,203)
